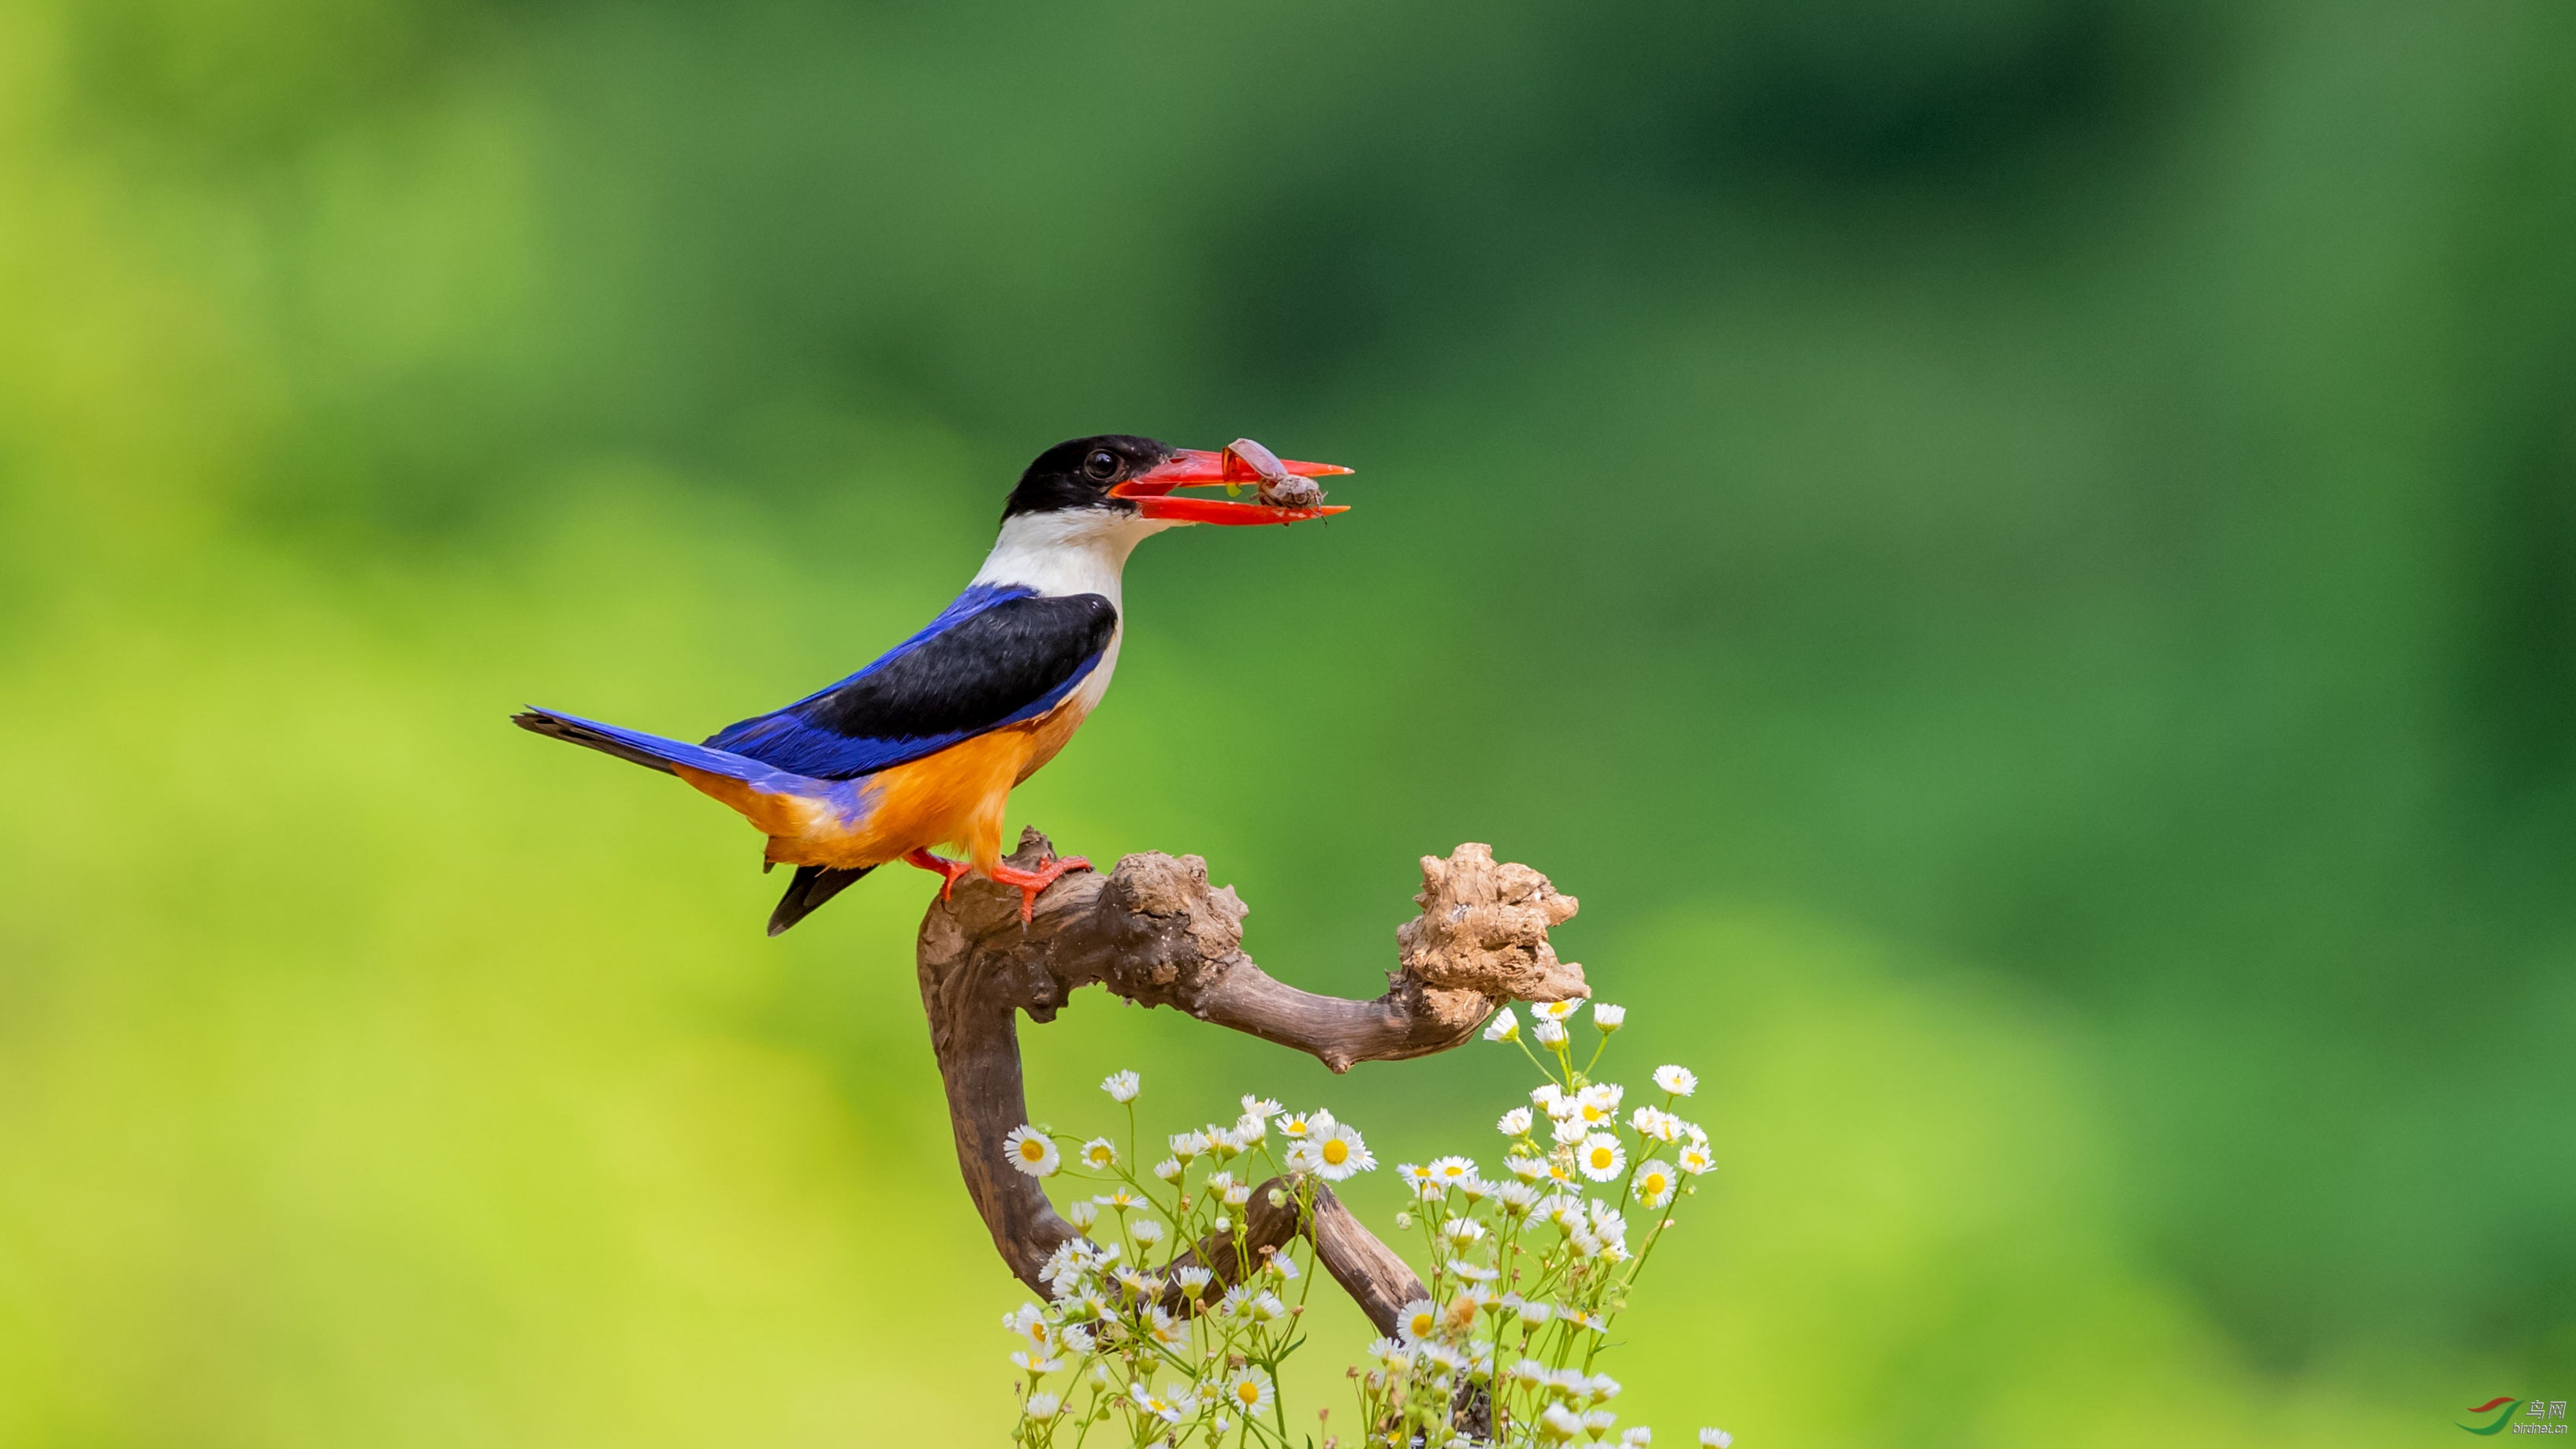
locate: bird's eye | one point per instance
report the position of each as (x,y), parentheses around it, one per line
(1101,464)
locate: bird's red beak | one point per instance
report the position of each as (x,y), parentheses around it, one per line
(1243,462)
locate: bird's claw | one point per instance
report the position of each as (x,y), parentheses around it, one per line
(947,870)
(1033,883)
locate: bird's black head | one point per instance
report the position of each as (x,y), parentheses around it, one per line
(1079,474)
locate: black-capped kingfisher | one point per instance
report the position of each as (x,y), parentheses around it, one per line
(922,747)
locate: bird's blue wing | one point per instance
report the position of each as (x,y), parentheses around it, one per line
(996,657)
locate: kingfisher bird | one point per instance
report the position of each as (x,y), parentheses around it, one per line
(922,747)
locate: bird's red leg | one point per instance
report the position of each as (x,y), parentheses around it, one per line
(1032,882)
(948,870)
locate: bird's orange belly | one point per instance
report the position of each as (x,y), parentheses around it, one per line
(954,797)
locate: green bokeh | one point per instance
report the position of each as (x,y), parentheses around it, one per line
(2020,556)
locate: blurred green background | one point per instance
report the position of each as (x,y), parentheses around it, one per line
(2019,555)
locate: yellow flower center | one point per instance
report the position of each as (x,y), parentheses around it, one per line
(1336,1152)
(1601,1157)
(1421,1325)
(1249,1392)
(1654,1183)
(1032,1149)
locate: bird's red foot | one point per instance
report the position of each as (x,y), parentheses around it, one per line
(947,870)
(1032,882)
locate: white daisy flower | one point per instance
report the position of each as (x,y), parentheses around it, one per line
(1656,1123)
(1391,1354)
(1561,1421)
(1192,1279)
(1119,1201)
(1598,1104)
(1556,1010)
(1514,1122)
(1032,1151)
(1268,1308)
(1165,1406)
(1470,1272)
(1550,1098)
(1281,1267)
(1569,1129)
(1528,1169)
(1146,1231)
(1169,1169)
(1236,1303)
(1262,1107)
(1535,1312)
(1655,1182)
(1043,1406)
(1098,1154)
(1293,1125)
(1333,1151)
(1602,1388)
(1082,1213)
(1453,1170)
(1474,1189)
(1076,1338)
(1462,1231)
(1676,1080)
(1037,1365)
(1419,1322)
(1503,1027)
(1249,1128)
(1515,1198)
(1186,1145)
(1121,1086)
(1164,1329)
(1715,1439)
(1528,1373)
(1636,1436)
(1608,1222)
(1598,1422)
(1609,1018)
(1694,1159)
(1548,1033)
(1236,1195)
(1248,1391)
(1600,1157)
(1064,1264)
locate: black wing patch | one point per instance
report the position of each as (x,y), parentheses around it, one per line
(1012,661)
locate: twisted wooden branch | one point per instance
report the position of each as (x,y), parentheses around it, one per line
(1154,931)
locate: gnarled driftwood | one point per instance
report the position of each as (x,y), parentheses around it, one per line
(1154,931)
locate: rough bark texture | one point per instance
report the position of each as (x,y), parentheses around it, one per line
(1154,931)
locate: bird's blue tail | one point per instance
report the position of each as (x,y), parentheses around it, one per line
(650,751)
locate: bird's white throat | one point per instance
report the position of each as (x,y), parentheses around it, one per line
(1067,551)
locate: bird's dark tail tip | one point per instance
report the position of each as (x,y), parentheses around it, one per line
(813,885)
